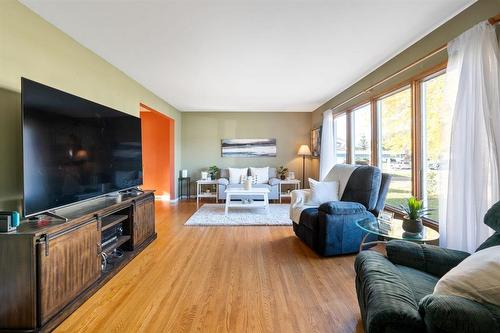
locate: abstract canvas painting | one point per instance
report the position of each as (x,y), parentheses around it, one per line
(248,147)
(316,142)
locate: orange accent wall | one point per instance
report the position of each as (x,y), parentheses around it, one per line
(158,142)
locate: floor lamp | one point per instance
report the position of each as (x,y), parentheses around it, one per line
(304,151)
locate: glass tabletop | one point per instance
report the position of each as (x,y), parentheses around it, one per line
(393,229)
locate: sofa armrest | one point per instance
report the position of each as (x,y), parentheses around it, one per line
(273,181)
(342,208)
(386,300)
(450,314)
(223,181)
(428,258)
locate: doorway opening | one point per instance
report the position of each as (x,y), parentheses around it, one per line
(158,142)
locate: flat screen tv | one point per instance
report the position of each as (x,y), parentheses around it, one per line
(74,149)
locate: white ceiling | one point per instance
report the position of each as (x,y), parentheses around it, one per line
(244,55)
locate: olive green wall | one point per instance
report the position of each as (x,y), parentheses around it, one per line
(202,133)
(477,12)
(33,48)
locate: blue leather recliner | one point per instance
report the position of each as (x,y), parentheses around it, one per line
(330,229)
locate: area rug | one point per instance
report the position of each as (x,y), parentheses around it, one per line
(213,215)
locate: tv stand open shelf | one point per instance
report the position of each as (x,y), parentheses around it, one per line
(112,220)
(113,246)
(49,267)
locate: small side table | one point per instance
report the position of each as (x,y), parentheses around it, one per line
(180,182)
(201,194)
(294,182)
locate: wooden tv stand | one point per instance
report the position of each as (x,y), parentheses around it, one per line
(48,268)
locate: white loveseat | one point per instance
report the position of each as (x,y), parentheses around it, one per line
(272,184)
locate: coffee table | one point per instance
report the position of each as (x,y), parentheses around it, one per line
(393,229)
(254,192)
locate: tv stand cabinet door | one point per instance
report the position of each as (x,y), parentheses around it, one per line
(71,264)
(144,219)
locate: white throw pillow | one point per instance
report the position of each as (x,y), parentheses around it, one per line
(262,174)
(236,175)
(322,192)
(476,278)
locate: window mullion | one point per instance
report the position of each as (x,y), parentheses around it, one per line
(416,139)
(374,133)
(349,138)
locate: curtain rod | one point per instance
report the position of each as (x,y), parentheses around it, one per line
(492,20)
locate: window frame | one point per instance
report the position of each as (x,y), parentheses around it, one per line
(414,83)
(347,134)
(351,129)
(422,137)
(379,132)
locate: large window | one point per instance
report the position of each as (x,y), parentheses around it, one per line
(361,128)
(395,143)
(435,139)
(408,125)
(340,123)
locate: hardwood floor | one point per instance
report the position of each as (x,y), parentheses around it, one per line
(223,279)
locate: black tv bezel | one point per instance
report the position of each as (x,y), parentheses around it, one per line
(53,209)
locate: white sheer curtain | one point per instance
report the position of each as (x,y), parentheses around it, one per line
(328,146)
(473,176)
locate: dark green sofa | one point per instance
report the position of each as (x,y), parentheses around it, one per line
(395,292)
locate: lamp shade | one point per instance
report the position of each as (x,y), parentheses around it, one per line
(304,150)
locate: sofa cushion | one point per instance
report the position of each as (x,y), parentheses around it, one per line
(492,217)
(254,186)
(363,186)
(382,193)
(443,313)
(420,282)
(428,258)
(476,278)
(493,240)
(260,174)
(236,175)
(322,192)
(272,172)
(224,172)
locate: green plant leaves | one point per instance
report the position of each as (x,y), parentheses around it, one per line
(415,209)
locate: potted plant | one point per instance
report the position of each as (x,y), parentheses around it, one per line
(412,221)
(212,171)
(281,171)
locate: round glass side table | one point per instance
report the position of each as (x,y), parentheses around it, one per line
(392,229)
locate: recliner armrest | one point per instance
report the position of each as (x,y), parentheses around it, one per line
(450,314)
(342,208)
(299,197)
(428,258)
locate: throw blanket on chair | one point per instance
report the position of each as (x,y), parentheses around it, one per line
(340,173)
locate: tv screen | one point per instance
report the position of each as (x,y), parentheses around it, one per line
(75,149)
